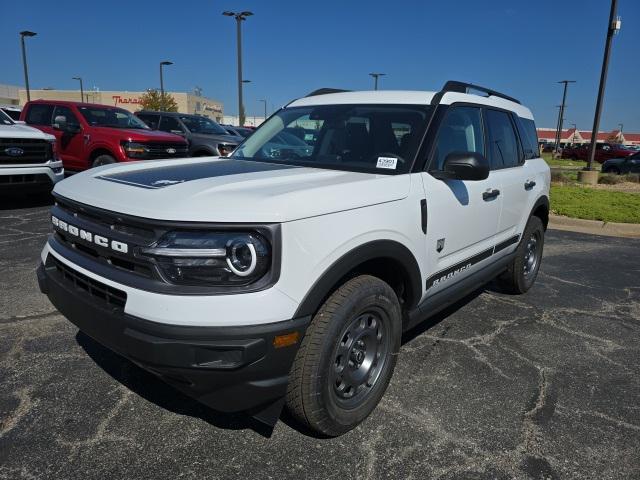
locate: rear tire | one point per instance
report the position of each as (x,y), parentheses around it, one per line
(523,270)
(347,357)
(101,160)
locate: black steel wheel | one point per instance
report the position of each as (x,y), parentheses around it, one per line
(523,270)
(347,357)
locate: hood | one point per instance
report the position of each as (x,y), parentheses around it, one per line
(215,138)
(140,135)
(23,131)
(224,190)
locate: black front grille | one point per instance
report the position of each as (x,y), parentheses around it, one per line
(19,151)
(26,179)
(109,295)
(159,150)
(110,226)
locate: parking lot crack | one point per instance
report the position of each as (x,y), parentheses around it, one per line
(25,404)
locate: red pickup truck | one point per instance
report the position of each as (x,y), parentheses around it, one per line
(604,151)
(89,135)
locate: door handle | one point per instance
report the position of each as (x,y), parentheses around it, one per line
(529,185)
(490,194)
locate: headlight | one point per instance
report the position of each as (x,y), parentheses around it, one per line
(212,258)
(135,150)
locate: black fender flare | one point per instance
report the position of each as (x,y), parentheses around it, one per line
(377,249)
(542,201)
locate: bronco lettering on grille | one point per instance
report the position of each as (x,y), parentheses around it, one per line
(89,236)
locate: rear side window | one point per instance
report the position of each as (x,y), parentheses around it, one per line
(171,125)
(502,143)
(150,120)
(460,131)
(39,114)
(528,137)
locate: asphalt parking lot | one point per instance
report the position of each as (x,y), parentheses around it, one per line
(541,386)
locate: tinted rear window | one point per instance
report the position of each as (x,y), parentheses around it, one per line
(529,138)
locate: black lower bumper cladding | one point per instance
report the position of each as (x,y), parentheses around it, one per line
(229,369)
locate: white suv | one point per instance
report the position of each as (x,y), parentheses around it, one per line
(28,160)
(288,273)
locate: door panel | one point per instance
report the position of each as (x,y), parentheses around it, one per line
(70,145)
(463,221)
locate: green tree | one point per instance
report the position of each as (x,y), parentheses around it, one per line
(153,100)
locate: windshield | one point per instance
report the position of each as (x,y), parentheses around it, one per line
(205,125)
(111,117)
(5,119)
(365,138)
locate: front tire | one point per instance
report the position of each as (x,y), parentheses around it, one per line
(347,357)
(523,270)
(101,160)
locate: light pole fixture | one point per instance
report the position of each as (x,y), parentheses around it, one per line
(561,113)
(240,17)
(265,108)
(81,88)
(613,28)
(162,64)
(375,79)
(26,33)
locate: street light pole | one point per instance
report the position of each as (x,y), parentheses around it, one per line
(81,88)
(240,17)
(26,33)
(614,26)
(162,64)
(375,79)
(265,108)
(561,114)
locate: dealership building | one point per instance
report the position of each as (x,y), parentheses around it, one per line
(187,102)
(582,137)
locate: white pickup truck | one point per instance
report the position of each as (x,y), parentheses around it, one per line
(28,160)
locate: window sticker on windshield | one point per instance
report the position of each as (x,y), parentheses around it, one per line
(387,162)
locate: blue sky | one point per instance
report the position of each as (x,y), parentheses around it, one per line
(292,47)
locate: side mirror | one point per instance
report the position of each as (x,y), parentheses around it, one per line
(60,123)
(464,166)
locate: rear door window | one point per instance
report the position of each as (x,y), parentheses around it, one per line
(150,119)
(171,125)
(503,148)
(39,114)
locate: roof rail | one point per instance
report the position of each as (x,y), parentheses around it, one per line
(463,87)
(324,91)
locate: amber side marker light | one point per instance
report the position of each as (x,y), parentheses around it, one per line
(286,340)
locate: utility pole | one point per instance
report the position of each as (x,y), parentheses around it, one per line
(265,108)
(375,79)
(26,33)
(561,114)
(81,88)
(613,28)
(240,17)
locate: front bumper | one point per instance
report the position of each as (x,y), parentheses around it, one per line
(30,177)
(230,369)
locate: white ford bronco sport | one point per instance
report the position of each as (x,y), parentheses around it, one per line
(287,272)
(28,160)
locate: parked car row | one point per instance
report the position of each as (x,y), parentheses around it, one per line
(604,152)
(90,135)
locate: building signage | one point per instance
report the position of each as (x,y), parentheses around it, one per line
(120,99)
